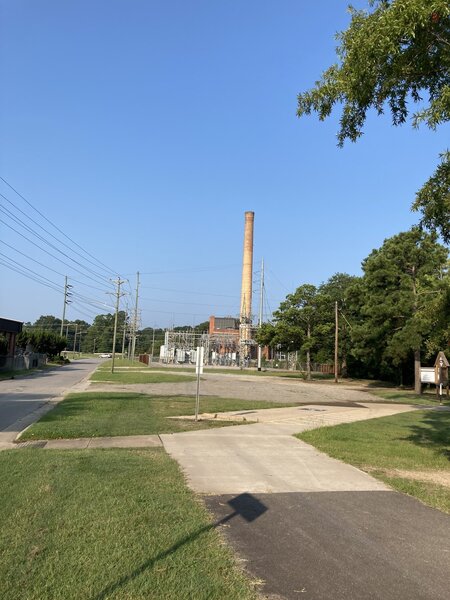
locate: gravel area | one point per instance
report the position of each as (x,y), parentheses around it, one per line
(248,387)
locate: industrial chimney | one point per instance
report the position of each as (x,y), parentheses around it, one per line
(246,288)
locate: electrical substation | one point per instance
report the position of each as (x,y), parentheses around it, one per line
(229,341)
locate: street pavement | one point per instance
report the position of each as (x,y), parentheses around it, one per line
(24,399)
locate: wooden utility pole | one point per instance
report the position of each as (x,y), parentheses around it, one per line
(261,297)
(336,342)
(118,282)
(153,343)
(123,337)
(75,339)
(135,320)
(66,302)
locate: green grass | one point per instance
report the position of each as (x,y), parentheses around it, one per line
(417,442)
(108,524)
(402,397)
(138,377)
(99,414)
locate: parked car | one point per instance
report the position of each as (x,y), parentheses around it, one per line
(105,355)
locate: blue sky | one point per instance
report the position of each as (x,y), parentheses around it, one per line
(145,129)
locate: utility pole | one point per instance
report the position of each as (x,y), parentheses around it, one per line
(66,301)
(75,339)
(336,342)
(153,343)
(93,351)
(261,293)
(124,334)
(118,282)
(135,320)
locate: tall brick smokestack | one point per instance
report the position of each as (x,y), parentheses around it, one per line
(247,269)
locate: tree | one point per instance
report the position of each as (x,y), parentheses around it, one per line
(99,336)
(295,321)
(334,290)
(399,300)
(397,52)
(48,323)
(43,341)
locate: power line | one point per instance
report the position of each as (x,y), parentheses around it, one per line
(47,252)
(41,238)
(53,236)
(201,270)
(50,269)
(28,276)
(188,292)
(55,226)
(190,303)
(30,258)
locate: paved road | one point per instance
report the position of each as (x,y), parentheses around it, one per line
(24,399)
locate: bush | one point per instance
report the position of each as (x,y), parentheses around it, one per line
(44,342)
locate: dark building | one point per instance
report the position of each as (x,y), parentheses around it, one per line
(10,329)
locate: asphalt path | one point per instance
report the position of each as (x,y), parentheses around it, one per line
(375,545)
(24,399)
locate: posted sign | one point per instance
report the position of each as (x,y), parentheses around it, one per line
(427,375)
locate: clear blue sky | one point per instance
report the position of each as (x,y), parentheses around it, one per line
(144,129)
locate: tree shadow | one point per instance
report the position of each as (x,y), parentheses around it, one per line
(434,433)
(245,505)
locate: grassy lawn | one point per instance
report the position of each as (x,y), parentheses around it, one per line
(402,397)
(98,414)
(410,451)
(108,524)
(143,376)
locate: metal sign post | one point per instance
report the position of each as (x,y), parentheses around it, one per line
(198,371)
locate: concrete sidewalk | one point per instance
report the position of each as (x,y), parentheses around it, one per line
(265,457)
(126,441)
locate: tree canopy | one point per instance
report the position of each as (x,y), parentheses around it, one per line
(390,55)
(398,303)
(396,313)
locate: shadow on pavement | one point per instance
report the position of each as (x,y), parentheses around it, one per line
(342,545)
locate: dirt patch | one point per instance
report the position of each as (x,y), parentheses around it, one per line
(441,477)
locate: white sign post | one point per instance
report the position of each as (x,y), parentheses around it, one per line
(199,371)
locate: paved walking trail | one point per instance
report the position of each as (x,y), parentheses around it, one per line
(265,457)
